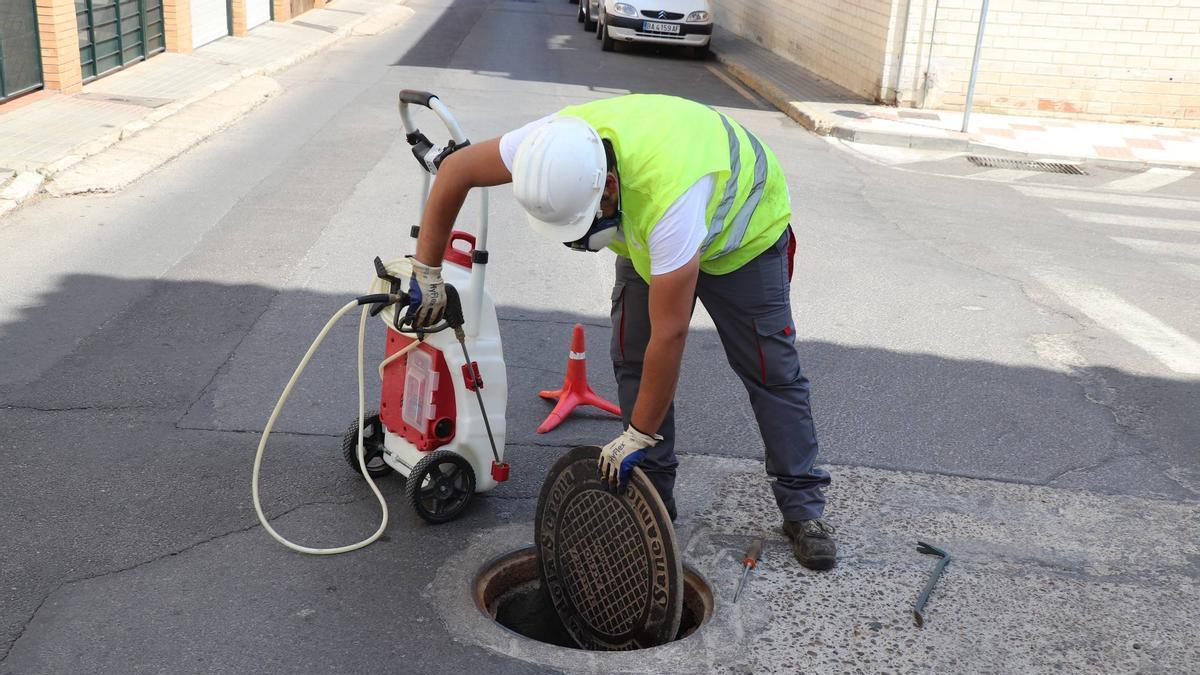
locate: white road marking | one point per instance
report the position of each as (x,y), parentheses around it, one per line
(1125,220)
(1172,348)
(1108,198)
(734,85)
(1151,179)
(1155,247)
(1186,269)
(1004,175)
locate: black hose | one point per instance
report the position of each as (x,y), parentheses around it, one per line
(380,298)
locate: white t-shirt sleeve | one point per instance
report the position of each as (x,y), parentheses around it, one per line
(510,141)
(678,235)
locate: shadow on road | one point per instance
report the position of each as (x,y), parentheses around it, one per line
(138,441)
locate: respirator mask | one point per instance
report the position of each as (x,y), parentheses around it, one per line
(599,235)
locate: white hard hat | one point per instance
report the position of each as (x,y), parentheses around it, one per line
(558,176)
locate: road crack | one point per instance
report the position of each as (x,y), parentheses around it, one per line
(11,644)
(1092,385)
(80,408)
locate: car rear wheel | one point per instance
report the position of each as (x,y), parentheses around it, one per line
(585,9)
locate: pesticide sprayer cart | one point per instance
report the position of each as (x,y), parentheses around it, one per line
(440,421)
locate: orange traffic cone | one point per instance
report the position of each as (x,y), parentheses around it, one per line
(575,390)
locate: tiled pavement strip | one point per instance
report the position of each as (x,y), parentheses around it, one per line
(826,108)
(47,132)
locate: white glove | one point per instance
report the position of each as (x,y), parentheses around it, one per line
(427,295)
(619,457)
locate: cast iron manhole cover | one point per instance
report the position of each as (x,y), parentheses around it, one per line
(610,563)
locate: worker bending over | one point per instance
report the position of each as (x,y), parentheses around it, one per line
(695,206)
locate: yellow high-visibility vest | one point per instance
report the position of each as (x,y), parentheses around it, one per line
(663,145)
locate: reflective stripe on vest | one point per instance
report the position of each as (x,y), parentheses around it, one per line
(741,219)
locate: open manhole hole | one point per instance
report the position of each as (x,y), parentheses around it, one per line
(509,591)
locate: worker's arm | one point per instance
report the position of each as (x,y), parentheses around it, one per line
(477,165)
(671,298)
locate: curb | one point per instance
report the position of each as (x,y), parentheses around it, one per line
(821,124)
(141,153)
(97,145)
(774,94)
(18,188)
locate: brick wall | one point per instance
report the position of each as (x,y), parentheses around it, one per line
(845,41)
(237,17)
(1126,60)
(59,39)
(177,25)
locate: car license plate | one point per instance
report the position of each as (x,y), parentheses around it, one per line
(656,27)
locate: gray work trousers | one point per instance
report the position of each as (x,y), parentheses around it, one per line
(753,316)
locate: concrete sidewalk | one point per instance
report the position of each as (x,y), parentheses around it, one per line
(1041,580)
(124,125)
(827,109)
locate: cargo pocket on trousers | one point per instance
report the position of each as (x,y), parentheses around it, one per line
(616,344)
(778,362)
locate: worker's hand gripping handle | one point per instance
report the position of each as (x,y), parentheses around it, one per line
(428,155)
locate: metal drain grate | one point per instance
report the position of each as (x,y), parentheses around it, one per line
(1026,164)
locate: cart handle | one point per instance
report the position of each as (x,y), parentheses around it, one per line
(430,159)
(416,97)
(428,155)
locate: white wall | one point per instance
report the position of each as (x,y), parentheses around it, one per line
(1107,60)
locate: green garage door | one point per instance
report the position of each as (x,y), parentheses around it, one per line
(20,55)
(116,33)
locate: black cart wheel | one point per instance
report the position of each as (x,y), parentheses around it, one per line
(372,446)
(440,486)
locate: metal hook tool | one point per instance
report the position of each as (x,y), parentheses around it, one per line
(929,549)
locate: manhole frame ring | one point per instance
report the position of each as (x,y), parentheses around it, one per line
(723,639)
(691,577)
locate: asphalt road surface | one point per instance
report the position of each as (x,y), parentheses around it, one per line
(1028,328)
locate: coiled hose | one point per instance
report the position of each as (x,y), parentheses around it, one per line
(364,301)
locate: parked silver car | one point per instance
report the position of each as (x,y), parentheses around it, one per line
(588,11)
(685,23)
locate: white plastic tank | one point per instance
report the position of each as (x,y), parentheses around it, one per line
(483,342)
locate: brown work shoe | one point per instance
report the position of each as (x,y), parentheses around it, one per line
(811,543)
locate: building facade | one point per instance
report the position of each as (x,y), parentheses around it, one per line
(1103,60)
(61,44)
